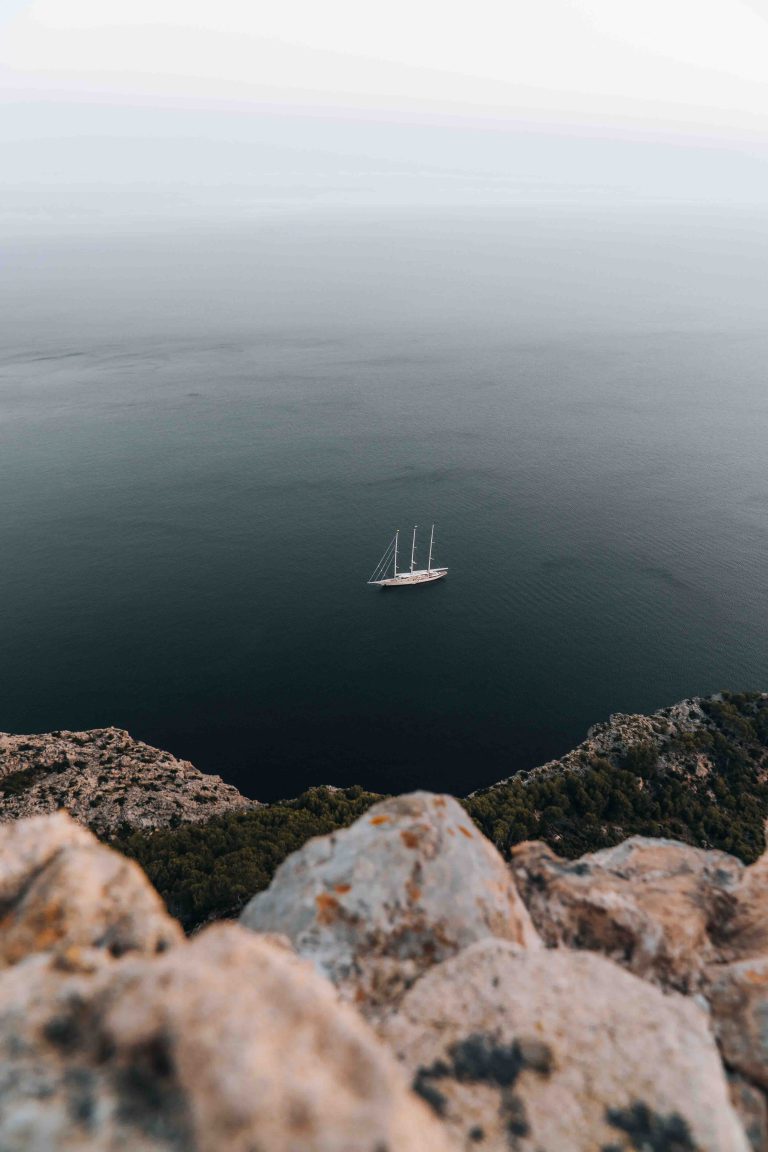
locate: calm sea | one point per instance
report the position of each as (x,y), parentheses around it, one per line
(207,440)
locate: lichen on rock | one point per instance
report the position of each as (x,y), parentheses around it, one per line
(561,1050)
(60,889)
(116,1032)
(409,884)
(228,1042)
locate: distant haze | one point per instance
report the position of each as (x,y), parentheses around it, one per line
(115,112)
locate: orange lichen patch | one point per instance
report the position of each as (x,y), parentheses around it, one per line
(342,888)
(410,838)
(413,891)
(439,802)
(757,976)
(39,933)
(465,831)
(73,959)
(379,820)
(327,908)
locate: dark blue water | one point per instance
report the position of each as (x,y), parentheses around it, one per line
(207,440)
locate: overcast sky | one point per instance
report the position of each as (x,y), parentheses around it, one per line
(117,110)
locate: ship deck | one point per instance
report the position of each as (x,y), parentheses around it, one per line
(420,576)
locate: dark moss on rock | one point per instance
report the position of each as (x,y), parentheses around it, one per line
(647,1131)
(423,1085)
(480,1059)
(514,1118)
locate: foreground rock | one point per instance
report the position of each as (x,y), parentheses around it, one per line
(738,1000)
(663,909)
(680,917)
(107,780)
(747,926)
(115,1033)
(561,1051)
(409,884)
(60,889)
(227,1043)
(738,996)
(660,908)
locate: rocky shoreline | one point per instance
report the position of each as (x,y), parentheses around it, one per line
(113,783)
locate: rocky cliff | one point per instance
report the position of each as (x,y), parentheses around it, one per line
(697,771)
(107,781)
(398,988)
(703,746)
(682,738)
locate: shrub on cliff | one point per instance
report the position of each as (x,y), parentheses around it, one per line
(606,802)
(604,805)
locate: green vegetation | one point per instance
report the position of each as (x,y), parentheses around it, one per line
(606,802)
(210,870)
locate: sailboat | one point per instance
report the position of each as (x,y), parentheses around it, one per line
(412,575)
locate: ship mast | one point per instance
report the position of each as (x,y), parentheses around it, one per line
(431,539)
(413,547)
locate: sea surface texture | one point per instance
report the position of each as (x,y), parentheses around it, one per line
(207,440)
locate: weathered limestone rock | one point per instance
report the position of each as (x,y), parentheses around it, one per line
(27,846)
(738,998)
(409,884)
(613,738)
(61,888)
(107,780)
(752,1109)
(747,928)
(556,1050)
(226,1043)
(658,907)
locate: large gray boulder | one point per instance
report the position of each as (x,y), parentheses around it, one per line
(411,883)
(60,888)
(658,907)
(227,1044)
(564,1052)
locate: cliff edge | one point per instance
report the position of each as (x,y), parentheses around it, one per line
(107,780)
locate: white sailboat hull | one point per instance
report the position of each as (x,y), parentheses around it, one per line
(412,575)
(420,576)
